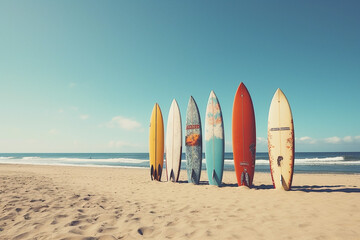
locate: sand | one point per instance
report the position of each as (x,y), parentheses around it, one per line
(55,202)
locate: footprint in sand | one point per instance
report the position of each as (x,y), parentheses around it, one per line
(27,216)
(74,223)
(144,231)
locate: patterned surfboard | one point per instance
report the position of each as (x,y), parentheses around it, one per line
(193,142)
(281,141)
(214,141)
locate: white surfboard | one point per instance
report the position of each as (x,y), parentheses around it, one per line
(281,141)
(173,143)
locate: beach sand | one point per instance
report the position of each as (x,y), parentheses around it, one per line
(55,202)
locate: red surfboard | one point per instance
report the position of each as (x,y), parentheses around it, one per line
(244,136)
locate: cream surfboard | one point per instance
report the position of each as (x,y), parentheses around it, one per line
(281,141)
(173,143)
(156,143)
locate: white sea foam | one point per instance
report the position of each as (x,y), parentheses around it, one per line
(72,161)
(31,158)
(315,161)
(262,162)
(124,162)
(329,159)
(103,160)
(325,161)
(70,165)
(307,161)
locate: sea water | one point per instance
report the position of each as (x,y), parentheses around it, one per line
(305,162)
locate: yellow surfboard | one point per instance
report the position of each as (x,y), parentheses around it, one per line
(156,143)
(281,141)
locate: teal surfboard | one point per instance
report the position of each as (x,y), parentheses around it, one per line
(214,141)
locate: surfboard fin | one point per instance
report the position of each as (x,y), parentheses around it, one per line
(172,175)
(193,177)
(245,179)
(216,179)
(283,183)
(152,172)
(159,171)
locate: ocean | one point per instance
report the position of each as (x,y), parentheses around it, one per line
(305,162)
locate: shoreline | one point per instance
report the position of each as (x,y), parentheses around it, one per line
(64,202)
(182,169)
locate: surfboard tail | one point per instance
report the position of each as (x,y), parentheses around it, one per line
(216,179)
(284,185)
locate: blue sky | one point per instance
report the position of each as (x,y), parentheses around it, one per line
(83,76)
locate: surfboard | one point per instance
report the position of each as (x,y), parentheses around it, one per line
(281,141)
(173,143)
(193,142)
(243,136)
(214,141)
(156,143)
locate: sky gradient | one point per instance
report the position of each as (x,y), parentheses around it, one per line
(83,76)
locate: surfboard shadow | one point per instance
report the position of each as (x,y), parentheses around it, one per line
(229,185)
(262,186)
(200,182)
(207,183)
(325,188)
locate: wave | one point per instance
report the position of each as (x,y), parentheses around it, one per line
(104,160)
(81,161)
(31,158)
(316,161)
(338,160)
(328,159)
(301,161)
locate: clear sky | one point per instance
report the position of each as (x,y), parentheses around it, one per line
(83,76)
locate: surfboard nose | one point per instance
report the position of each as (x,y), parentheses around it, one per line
(174,101)
(279,91)
(212,94)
